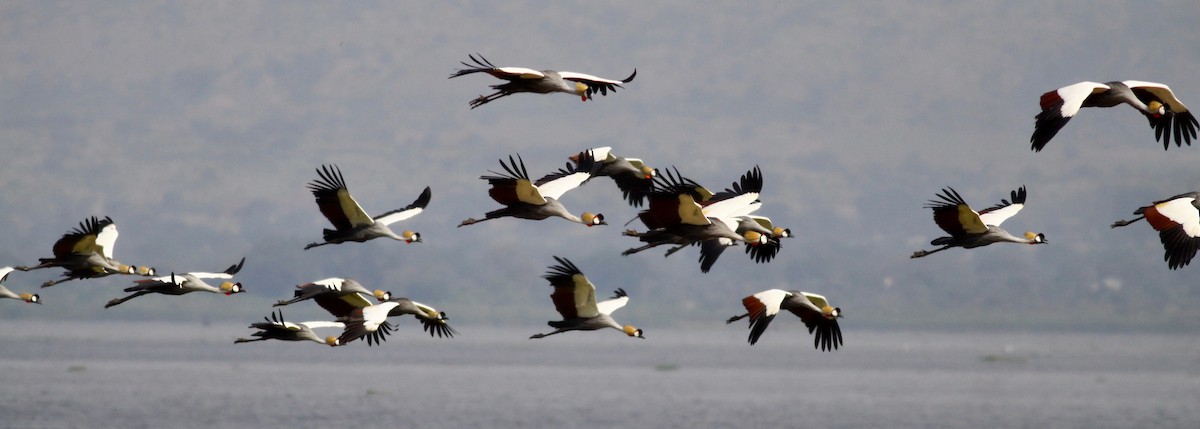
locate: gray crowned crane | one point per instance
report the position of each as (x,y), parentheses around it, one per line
(1167,115)
(760,252)
(181,284)
(31,298)
(349,220)
(812,309)
(633,177)
(969,229)
(521,79)
(1177,220)
(371,321)
(86,253)
(682,212)
(575,299)
(732,202)
(335,289)
(276,328)
(525,199)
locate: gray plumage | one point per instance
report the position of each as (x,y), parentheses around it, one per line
(525,199)
(970,229)
(522,79)
(633,177)
(86,252)
(32,298)
(334,289)
(349,220)
(276,328)
(371,321)
(812,309)
(1166,114)
(185,283)
(574,298)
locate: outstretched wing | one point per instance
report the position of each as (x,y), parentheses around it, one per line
(596,84)
(433,321)
(827,335)
(1178,120)
(228,273)
(762,308)
(555,184)
(515,186)
(482,65)
(574,296)
(677,199)
(749,183)
(334,200)
(91,236)
(954,216)
(370,322)
(412,210)
(106,238)
(157,283)
(619,299)
(997,214)
(1058,107)
(1177,221)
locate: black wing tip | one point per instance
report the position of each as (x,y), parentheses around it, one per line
(950,198)
(423,200)
(329,179)
(631,76)
(438,328)
(565,268)
(93,225)
(233,269)
(481,65)
(827,337)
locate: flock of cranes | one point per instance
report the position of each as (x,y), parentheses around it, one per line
(678,212)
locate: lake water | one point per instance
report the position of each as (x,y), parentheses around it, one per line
(159,375)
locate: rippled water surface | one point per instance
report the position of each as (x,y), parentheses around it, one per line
(154,375)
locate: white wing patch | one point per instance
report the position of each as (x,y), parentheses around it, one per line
(177,279)
(211,275)
(602,153)
(107,240)
(741,205)
(318,324)
(1182,212)
(4,273)
(771,299)
(557,187)
(573,76)
(1073,96)
(332,283)
(998,216)
(611,305)
(399,216)
(375,315)
(522,72)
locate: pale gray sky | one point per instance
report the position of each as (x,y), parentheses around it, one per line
(196,126)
